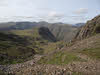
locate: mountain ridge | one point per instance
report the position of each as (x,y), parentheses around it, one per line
(59,30)
(91,27)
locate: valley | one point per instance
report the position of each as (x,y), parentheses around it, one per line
(51,49)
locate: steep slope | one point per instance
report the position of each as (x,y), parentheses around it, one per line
(63,31)
(92,27)
(88,39)
(46,34)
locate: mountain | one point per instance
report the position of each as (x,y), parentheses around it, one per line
(17,25)
(91,28)
(79,57)
(79,24)
(46,34)
(6,24)
(82,57)
(61,31)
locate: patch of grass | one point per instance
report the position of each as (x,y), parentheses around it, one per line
(50,47)
(28,32)
(2,73)
(59,58)
(92,52)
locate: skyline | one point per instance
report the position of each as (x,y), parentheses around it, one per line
(67,11)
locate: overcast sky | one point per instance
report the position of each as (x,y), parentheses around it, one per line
(69,11)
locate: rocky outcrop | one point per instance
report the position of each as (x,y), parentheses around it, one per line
(92,27)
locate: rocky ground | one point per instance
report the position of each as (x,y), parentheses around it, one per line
(88,67)
(17,67)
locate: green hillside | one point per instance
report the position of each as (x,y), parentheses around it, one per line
(18,45)
(14,48)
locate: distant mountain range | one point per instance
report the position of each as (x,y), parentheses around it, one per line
(61,31)
(79,24)
(17,25)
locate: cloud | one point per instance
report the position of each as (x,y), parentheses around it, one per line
(14,3)
(80,15)
(81,11)
(54,16)
(3,3)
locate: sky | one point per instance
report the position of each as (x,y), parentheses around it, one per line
(67,11)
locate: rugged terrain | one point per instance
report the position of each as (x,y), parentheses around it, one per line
(81,56)
(91,28)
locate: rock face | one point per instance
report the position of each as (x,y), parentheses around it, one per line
(92,27)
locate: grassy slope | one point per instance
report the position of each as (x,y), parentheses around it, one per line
(2,73)
(14,49)
(56,58)
(89,47)
(35,37)
(59,58)
(92,52)
(48,48)
(32,36)
(21,44)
